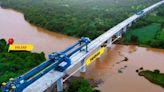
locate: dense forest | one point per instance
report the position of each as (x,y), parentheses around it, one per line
(13,64)
(77,17)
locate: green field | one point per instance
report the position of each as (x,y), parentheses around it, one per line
(153,76)
(155,18)
(144,35)
(149,31)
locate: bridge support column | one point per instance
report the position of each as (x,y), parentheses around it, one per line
(124,29)
(109,43)
(119,34)
(130,24)
(83,66)
(135,20)
(60,85)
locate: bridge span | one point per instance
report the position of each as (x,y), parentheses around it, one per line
(52,77)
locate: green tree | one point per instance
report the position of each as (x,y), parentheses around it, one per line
(3,45)
(156,43)
(13,64)
(134,38)
(80,86)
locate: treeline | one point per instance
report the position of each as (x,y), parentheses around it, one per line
(77,17)
(13,64)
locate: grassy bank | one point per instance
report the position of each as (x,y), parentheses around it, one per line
(143,35)
(153,76)
(147,32)
(13,64)
(77,17)
(150,35)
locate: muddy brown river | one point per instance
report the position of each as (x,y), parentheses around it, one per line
(117,75)
(13,25)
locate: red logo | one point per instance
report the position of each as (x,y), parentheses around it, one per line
(10,41)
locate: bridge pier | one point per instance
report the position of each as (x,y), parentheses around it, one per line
(124,29)
(109,43)
(60,85)
(119,34)
(83,66)
(130,24)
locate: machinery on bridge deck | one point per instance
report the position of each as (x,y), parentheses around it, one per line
(140,13)
(58,61)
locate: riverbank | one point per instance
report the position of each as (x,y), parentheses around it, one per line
(13,64)
(117,67)
(78,24)
(153,76)
(148,31)
(13,25)
(77,18)
(149,35)
(106,68)
(78,83)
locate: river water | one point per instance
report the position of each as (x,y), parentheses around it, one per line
(108,66)
(13,25)
(117,75)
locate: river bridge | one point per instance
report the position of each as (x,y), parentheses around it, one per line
(92,51)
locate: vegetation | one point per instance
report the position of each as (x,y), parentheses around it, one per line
(13,64)
(148,35)
(93,17)
(153,76)
(149,31)
(82,18)
(80,86)
(77,17)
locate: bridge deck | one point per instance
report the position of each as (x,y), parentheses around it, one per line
(51,77)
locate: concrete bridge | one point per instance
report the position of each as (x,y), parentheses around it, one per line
(80,57)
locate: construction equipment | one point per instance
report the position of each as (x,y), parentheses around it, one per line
(58,61)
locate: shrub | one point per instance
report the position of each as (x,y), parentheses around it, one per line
(80,86)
